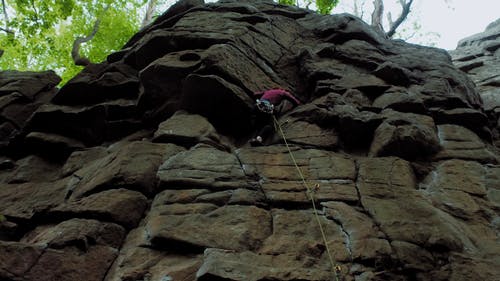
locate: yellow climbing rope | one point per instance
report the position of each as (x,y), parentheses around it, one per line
(335,267)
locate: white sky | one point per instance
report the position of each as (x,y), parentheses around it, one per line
(452,20)
(467,17)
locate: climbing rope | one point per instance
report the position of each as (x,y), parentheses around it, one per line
(335,267)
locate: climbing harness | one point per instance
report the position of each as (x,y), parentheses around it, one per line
(265,106)
(310,193)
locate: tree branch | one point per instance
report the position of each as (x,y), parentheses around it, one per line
(35,10)
(378,11)
(75,52)
(1,53)
(148,17)
(6,18)
(404,13)
(6,30)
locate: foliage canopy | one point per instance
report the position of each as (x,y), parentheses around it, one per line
(323,6)
(38,34)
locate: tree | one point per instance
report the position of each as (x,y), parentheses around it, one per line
(406,26)
(38,34)
(323,6)
(378,12)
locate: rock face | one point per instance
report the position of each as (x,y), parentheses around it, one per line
(479,56)
(139,167)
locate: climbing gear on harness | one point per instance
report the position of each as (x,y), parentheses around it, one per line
(257,141)
(265,106)
(310,192)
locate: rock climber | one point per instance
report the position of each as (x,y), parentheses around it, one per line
(269,102)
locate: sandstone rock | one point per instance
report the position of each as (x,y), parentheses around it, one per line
(97,83)
(162,82)
(29,84)
(71,264)
(405,135)
(281,182)
(85,124)
(77,232)
(393,74)
(203,167)
(206,205)
(303,238)
(186,130)
(459,142)
(399,100)
(23,201)
(16,259)
(364,239)
(78,159)
(52,145)
(121,206)
(144,263)
(189,233)
(477,55)
(228,265)
(21,93)
(395,183)
(305,133)
(132,166)
(33,169)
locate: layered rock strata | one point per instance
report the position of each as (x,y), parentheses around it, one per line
(139,167)
(479,57)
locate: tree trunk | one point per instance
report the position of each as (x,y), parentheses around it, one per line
(75,52)
(378,11)
(148,17)
(404,14)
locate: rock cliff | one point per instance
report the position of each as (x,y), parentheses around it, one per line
(139,167)
(479,56)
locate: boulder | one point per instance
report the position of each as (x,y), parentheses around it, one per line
(186,130)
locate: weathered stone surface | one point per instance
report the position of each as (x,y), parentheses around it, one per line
(196,202)
(249,227)
(23,201)
(305,133)
(33,169)
(86,124)
(400,100)
(52,145)
(386,189)
(144,263)
(203,167)
(77,232)
(408,136)
(132,166)
(122,206)
(21,93)
(302,238)
(330,174)
(459,142)
(229,265)
(99,82)
(16,259)
(186,130)
(364,239)
(478,56)
(72,264)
